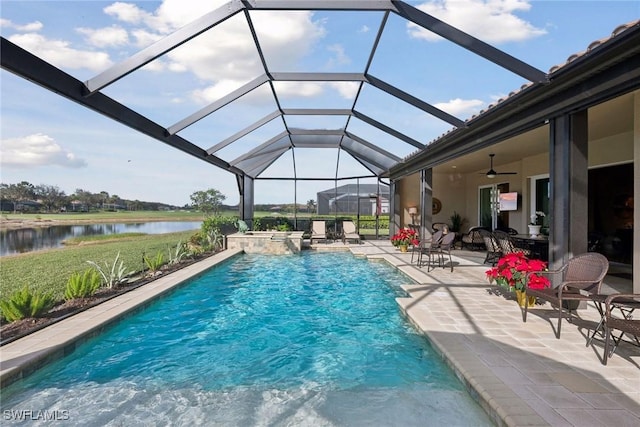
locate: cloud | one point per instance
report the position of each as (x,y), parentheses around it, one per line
(461,107)
(492,21)
(339,57)
(37,150)
(105,37)
(364,29)
(30,27)
(225,57)
(60,54)
(347,90)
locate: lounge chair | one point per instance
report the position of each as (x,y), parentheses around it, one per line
(318,231)
(581,279)
(349,232)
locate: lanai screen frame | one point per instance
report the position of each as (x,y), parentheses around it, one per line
(249,166)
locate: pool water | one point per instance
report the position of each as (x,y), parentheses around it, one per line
(310,339)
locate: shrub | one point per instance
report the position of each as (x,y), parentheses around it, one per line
(112,275)
(82,285)
(154,264)
(24,303)
(178,253)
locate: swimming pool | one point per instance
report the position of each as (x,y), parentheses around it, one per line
(310,339)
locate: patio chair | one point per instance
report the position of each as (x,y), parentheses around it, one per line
(581,278)
(415,249)
(493,247)
(472,239)
(507,245)
(625,323)
(318,231)
(447,242)
(430,248)
(349,232)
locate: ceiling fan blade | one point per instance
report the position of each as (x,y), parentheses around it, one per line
(507,173)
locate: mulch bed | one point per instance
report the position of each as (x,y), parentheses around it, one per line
(12,331)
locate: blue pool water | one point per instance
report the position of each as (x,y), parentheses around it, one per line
(311,339)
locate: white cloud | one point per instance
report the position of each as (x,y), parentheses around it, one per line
(339,57)
(60,54)
(30,27)
(126,12)
(145,38)
(37,150)
(461,107)
(492,21)
(105,37)
(347,90)
(364,29)
(225,57)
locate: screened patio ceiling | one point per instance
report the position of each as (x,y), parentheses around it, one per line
(292,113)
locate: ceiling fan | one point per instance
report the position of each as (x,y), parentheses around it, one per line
(492,173)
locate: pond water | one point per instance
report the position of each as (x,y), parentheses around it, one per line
(35,239)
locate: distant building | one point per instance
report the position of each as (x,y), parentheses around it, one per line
(353,199)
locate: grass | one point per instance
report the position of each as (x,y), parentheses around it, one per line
(100,238)
(49,271)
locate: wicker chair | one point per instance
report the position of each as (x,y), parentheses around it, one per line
(472,239)
(507,246)
(447,242)
(430,248)
(626,303)
(581,277)
(493,247)
(415,249)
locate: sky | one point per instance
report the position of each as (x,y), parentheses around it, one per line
(46,139)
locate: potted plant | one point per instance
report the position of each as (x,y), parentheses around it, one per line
(405,237)
(515,272)
(536,223)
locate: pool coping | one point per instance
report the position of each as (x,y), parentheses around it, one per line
(25,355)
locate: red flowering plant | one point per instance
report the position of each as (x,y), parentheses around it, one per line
(512,270)
(405,237)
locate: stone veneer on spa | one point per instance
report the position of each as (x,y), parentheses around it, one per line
(266,242)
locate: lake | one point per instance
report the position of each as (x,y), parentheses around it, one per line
(37,239)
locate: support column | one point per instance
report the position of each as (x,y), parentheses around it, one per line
(636,193)
(245,186)
(426,201)
(568,158)
(394,208)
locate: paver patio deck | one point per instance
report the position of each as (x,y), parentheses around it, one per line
(519,372)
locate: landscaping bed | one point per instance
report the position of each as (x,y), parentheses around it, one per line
(14,330)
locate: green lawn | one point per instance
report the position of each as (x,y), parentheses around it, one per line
(48,271)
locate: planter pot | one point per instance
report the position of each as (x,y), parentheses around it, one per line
(534,230)
(404,248)
(524,299)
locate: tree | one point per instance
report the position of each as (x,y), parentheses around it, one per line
(50,196)
(208,201)
(18,192)
(311,205)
